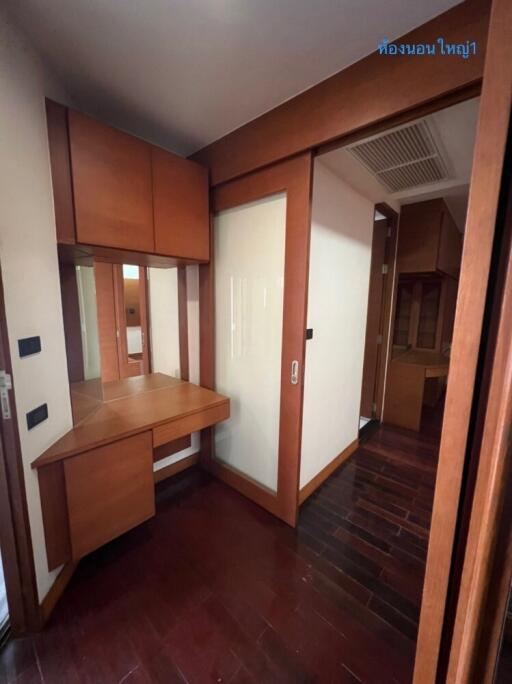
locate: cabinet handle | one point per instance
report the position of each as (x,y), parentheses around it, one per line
(294,379)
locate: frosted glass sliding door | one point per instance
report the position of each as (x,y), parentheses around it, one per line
(249,248)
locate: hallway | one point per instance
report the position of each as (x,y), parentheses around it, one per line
(214,589)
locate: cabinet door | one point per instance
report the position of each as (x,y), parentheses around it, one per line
(180,192)
(450,246)
(109,490)
(418,237)
(112,186)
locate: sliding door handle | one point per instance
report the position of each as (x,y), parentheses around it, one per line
(294,378)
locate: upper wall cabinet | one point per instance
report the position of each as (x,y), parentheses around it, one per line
(111,174)
(115,192)
(429,240)
(180,196)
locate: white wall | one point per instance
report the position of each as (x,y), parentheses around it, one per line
(339,273)
(193,351)
(86,285)
(28,258)
(164,321)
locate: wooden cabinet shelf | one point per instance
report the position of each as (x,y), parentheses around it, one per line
(429,240)
(117,196)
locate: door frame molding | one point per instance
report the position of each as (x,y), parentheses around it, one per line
(456,436)
(15,537)
(293,176)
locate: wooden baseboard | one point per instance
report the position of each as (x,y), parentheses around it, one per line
(175,468)
(319,479)
(56,590)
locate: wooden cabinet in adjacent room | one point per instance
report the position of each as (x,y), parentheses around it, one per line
(180,196)
(111,174)
(429,240)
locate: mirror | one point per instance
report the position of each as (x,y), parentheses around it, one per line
(121,321)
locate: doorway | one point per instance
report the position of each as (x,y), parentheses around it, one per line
(380,296)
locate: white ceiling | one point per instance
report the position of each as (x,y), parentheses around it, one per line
(455,129)
(183,73)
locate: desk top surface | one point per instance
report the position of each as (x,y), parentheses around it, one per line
(131,406)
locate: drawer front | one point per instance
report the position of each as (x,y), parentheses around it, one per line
(109,490)
(184,426)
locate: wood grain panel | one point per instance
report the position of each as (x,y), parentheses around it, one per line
(183,322)
(418,244)
(181,213)
(184,426)
(60,163)
(132,413)
(72,324)
(370,91)
(52,490)
(112,186)
(490,144)
(404,395)
(486,572)
(109,491)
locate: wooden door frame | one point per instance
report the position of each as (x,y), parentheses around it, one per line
(487,565)
(15,537)
(388,310)
(485,188)
(294,177)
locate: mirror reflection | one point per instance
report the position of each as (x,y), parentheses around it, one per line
(121,321)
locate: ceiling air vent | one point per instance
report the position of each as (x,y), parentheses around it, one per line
(402,158)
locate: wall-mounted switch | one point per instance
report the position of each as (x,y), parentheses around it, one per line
(29,345)
(309,334)
(37,416)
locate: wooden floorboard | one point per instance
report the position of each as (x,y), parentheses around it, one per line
(214,589)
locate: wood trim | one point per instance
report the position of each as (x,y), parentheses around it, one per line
(15,537)
(167,432)
(346,102)
(106,312)
(245,485)
(183,322)
(388,309)
(329,469)
(54,509)
(170,448)
(175,468)
(56,590)
(484,587)
(144,319)
(293,176)
(60,164)
(490,144)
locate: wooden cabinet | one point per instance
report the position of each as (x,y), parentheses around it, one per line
(109,490)
(181,214)
(113,191)
(429,240)
(111,173)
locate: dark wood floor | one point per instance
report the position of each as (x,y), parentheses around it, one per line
(214,589)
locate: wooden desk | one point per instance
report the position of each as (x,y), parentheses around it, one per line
(406,385)
(96,481)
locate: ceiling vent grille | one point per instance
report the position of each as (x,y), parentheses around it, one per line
(402,158)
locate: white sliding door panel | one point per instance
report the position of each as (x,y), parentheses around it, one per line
(249,251)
